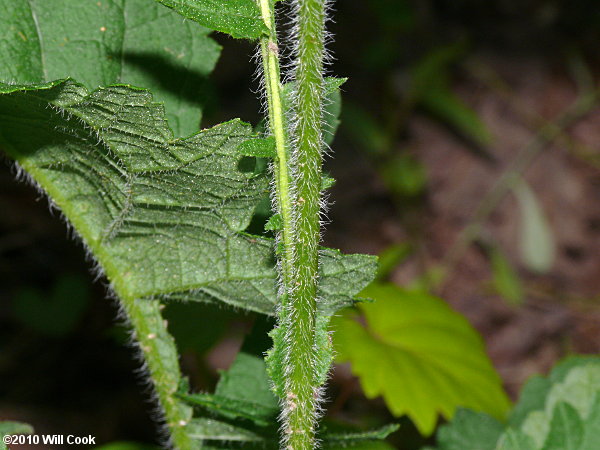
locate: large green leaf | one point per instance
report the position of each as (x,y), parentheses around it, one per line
(421,356)
(161,215)
(99,43)
(239,18)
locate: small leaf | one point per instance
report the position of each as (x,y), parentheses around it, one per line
(506,281)
(327,182)
(353,437)
(470,430)
(442,102)
(263,148)
(214,430)
(592,427)
(11,427)
(537,241)
(420,355)
(275,223)
(404,176)
(239,18)
(247,380)
(229,408)
(578,389)
(333,108)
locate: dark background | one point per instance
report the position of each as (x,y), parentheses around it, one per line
(442,96)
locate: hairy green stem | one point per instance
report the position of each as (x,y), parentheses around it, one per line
(303,381)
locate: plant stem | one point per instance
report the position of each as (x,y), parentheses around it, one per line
(283,197)
(303,382)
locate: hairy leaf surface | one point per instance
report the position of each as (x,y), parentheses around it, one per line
(161,215)
(421,356)
(137,42)
(239,18)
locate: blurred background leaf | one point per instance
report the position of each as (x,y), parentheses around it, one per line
(536,238)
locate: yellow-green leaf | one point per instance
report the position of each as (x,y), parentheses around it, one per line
(420,355)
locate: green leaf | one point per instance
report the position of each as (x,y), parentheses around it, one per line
(275,222)
(441,101)
(561,412)
(264,148)
(532,398)
(333,107)
(243,391)
(110,162)
(359,436)
(566,429)
(213,430)
(11,427)
(135,42)
(578,389)
(592,427)
(162,216)
(506,281)
(239,18)
(470,430)
(228,408)
(404,175)
(327,181)
(431,88)
(537,241)
(515,440)
(421,356)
